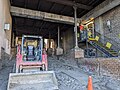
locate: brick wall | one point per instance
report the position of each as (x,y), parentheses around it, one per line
(113,36)
(101,66)
(114,17)
(110,66)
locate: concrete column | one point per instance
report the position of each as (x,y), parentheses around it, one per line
(58,37)
(49,40)
(79,53)
(16,41)
(43,42)
(13,39)
(49,48)
(59,51)
(75,28)
(64,42)
(101,28)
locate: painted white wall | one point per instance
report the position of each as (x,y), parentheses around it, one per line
(5,17)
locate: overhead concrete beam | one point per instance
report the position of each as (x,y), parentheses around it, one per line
(101,9)
(27,13)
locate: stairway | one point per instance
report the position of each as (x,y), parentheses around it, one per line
(108,52)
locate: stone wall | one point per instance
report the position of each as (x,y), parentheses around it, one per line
(110,67)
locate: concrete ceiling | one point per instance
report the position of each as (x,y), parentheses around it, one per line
(62,7)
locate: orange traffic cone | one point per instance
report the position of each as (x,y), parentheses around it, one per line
(90,87)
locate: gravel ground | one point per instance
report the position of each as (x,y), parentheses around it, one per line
(69,76)
(4,73)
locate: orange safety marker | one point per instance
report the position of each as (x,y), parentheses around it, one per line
(90,87)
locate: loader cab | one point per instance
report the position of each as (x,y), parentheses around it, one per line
(32,48)
(30,52)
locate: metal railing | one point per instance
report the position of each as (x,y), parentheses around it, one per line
(104,39)
(102,49)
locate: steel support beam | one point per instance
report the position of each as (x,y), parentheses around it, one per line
(71,3)
(79,53)
(58,37)
(27,13)
(75,28)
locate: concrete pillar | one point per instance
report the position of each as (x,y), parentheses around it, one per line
(13,49)
(13,38)
(49,40)
(101,28)
(59,51)
(49,48)
(64,42)
(75,28)
(58,37)
(79,53)
(16,41)
(43,43)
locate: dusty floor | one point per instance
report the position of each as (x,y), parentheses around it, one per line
(4,73)
(69,76)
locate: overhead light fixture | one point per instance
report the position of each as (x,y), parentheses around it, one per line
(7,26)
(109,25)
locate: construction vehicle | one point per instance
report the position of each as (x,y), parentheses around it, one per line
(31,67)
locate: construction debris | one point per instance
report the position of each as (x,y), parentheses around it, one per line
(69,76)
